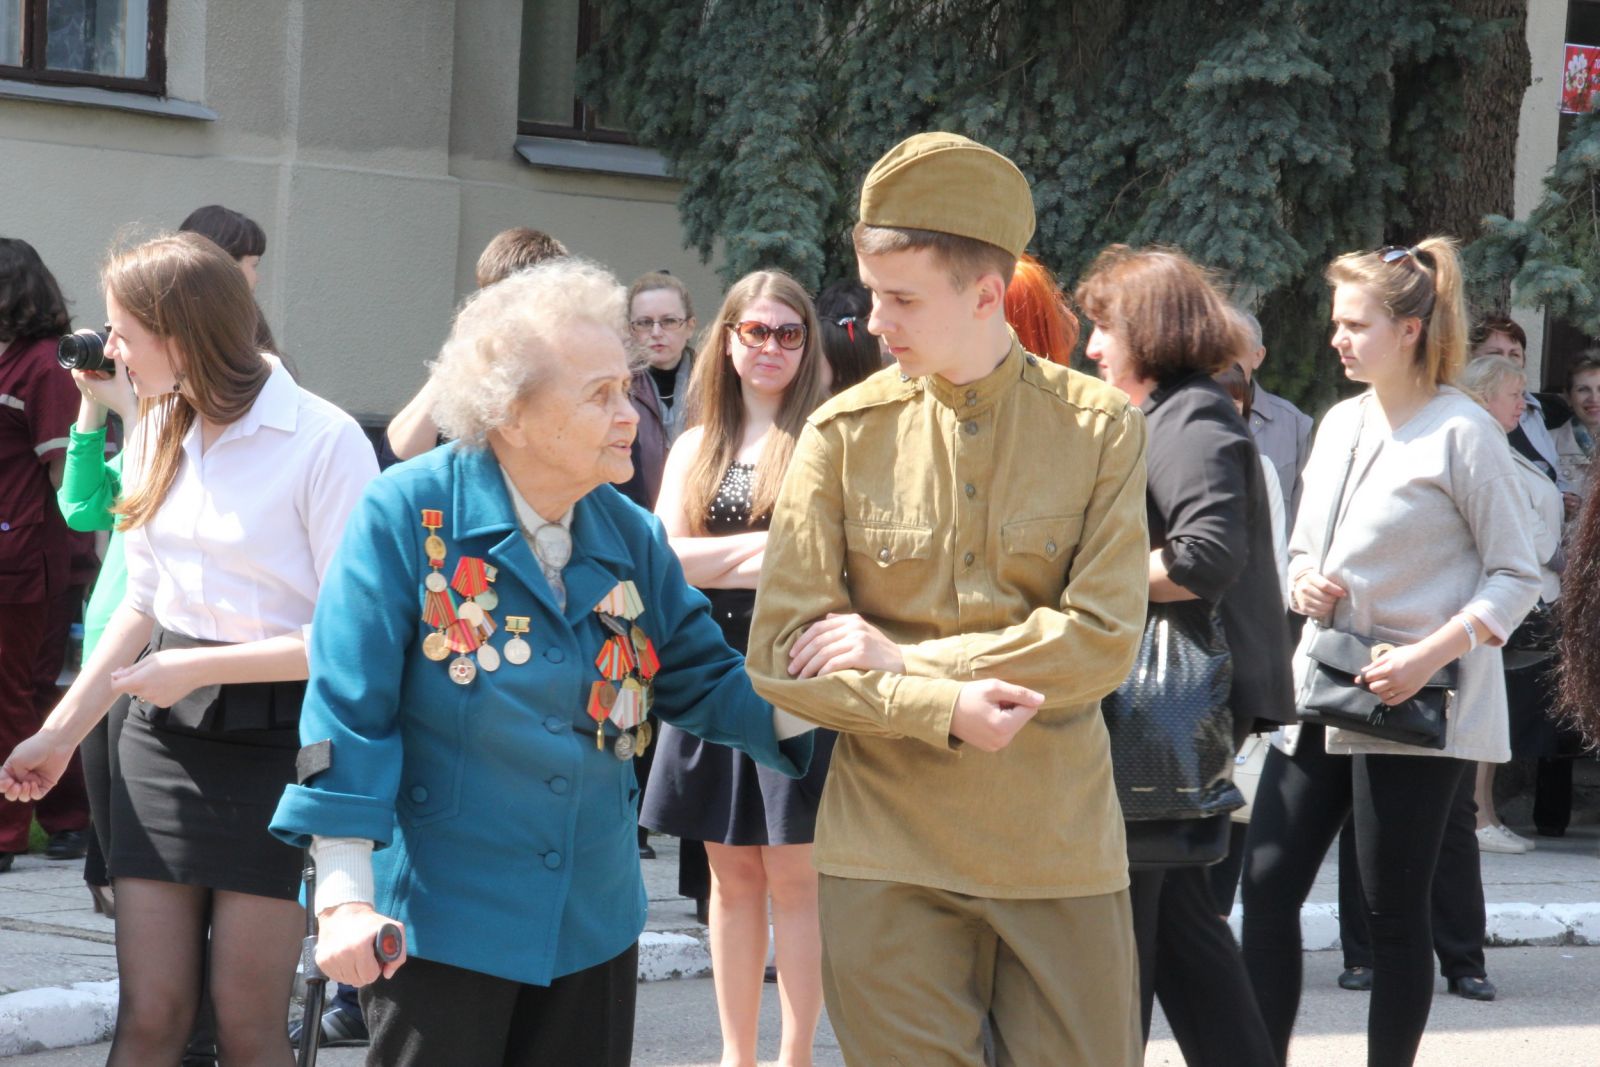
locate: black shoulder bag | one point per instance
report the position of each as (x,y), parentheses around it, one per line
(1331,696)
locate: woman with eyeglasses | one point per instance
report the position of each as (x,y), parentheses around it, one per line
(1412,534)
(661,318)
(757,376)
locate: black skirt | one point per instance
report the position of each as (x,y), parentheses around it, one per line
(198,784)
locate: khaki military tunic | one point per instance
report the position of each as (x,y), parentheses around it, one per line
(994,530)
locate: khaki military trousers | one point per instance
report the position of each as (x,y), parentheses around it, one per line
(910,974)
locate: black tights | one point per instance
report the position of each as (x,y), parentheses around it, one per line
(161,941)
(1399,806)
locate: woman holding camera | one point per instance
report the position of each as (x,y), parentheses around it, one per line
(236,484)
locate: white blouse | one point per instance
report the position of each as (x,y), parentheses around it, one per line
(237,550)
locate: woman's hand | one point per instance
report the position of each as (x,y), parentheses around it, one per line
(161,678)
(33,767)
(107,391)
(344,944)
(842,643)
(1315,595)
(1398,674)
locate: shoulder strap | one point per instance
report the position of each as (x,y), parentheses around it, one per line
(1344,483)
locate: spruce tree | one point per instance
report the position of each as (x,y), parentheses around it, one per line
(1263,137)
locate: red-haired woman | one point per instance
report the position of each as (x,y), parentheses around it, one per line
(1037,309)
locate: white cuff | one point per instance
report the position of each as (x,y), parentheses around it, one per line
(344,871)
(786,725)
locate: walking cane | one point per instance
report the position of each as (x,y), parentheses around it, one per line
(386,945)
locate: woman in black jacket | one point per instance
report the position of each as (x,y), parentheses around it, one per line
(1161,329)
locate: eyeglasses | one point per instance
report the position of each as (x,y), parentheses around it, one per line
(666,322)
(791,335)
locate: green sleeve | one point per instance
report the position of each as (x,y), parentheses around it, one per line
(89,485)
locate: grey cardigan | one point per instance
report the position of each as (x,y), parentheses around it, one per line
(1433,524)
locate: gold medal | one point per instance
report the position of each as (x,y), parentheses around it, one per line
(434,547)
(643,736)
(463,670)
(435,647)
(435,582)
(488,658)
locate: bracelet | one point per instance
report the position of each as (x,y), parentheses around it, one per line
(1472,631)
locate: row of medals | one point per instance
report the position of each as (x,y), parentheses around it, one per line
(628,658)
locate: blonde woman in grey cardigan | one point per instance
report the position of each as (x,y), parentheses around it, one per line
(1430,553)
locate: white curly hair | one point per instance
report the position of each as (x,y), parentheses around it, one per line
(499,347)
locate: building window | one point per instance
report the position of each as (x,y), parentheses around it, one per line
(555,34)
(108,44)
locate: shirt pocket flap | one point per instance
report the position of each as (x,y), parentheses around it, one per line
(886,544)
(1049,538)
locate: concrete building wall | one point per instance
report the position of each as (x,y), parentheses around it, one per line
(374,142)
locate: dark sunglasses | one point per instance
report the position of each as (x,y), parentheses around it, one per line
(791,335)
(1393,253)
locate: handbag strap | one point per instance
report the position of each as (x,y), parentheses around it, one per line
(1344,483)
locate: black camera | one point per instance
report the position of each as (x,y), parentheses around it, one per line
(84,350)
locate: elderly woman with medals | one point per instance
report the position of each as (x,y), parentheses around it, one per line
(495,626)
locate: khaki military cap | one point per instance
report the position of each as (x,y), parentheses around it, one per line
(951,184)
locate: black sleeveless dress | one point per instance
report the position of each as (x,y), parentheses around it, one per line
(709,792)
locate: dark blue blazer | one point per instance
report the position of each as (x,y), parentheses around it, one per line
(506,840)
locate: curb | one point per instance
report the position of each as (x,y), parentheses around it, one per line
(83,1013)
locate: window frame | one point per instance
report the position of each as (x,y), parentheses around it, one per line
(35,29)
(585,119)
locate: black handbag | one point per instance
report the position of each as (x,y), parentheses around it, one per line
(1172,738)
(1330,694)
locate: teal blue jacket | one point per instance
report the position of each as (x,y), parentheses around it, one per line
(506,842)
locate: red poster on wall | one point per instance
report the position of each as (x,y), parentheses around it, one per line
(1580,79)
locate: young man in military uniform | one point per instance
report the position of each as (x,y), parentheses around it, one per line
(956,574)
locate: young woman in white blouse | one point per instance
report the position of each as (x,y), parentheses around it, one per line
(236,490)
(1430,554)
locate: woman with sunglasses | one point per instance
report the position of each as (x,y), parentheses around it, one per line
(757,376)
(1431,490)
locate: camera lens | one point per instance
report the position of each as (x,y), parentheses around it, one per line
(83,350)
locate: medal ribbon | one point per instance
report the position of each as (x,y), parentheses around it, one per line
(462,637)
(470,579)
(438,610)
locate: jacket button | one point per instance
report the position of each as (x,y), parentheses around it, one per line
(552,860)
(972,397)
(968,559)
(554,724)
(1049,548)
(554,655)
(883,554)
(419,794)
(971,427)
(558,785)
(971,490)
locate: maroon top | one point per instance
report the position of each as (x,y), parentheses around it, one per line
(38,404)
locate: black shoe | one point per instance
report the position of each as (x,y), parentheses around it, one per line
(1356,979)
(1471,988)
(646,852)
(6,860)
(67,845)
(1551,831)
(199,1058)
(770,975)
(341,1028)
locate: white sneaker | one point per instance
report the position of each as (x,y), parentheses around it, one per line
(1498,839)
(1528,844)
